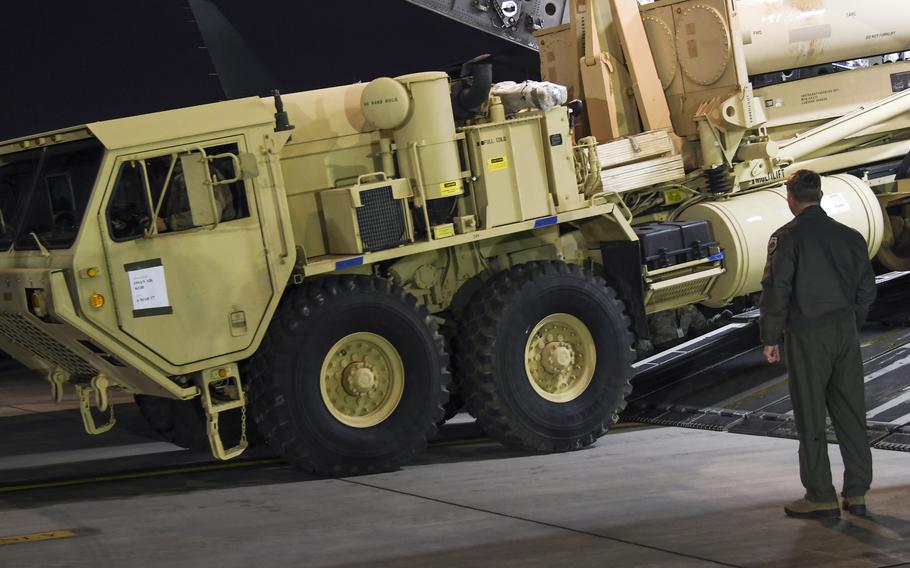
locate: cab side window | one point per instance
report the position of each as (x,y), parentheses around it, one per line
(153,192)
(128,213)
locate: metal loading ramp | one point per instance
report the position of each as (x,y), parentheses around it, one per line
(720,381)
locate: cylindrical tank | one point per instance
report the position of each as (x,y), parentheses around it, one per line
(427,140)
(786,34)
(325,113)
(743,224)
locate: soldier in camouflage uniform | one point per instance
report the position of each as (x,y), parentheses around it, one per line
(816,292)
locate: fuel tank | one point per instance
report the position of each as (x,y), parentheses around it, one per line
(785,34)
(742,225)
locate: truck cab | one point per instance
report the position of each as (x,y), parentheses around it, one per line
(122,236)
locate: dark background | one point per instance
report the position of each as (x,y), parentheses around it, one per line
(66,62)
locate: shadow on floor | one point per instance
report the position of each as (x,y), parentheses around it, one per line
(133,459)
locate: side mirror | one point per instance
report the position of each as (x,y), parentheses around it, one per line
(199,189)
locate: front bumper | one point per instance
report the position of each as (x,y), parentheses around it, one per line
(55,337)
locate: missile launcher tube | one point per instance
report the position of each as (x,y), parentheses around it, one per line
(786,34)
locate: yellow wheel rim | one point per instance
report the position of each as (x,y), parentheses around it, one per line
(362,380)
(560,357)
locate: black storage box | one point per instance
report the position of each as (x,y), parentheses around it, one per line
(659,243)
(696,238)
(665,244)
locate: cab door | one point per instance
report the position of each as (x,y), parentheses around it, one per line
(188,268)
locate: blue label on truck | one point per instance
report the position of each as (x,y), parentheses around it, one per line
(545,222)
(349,262)
(717,256)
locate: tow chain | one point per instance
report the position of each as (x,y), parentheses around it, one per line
(243,440)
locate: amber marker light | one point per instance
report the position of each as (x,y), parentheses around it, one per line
(96,301)
(37,303)
(91,273)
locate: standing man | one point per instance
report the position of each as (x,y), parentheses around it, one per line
(816,292)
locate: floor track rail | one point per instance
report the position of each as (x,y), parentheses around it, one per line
(721,382)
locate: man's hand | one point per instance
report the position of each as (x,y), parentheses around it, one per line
(771,353)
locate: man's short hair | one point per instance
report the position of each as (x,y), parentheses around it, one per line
(806,186)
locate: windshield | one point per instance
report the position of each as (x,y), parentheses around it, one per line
(45,191)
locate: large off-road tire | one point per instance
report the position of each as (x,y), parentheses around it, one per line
(545,358)
(182,422)
(450,330)
(351,377)
(455,402)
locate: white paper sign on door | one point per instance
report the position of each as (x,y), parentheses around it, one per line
(148,287)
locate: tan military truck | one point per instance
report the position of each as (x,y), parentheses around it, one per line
(331,265)
(209,253)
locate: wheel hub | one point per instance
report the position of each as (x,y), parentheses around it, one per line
(362,379)
(560,357)
(358,379)
(557,357)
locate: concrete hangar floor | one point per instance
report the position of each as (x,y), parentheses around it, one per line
(644,495)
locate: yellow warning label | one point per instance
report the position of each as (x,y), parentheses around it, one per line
(35,537)
(673,196)
(444,231)
(448,188)
(496,164)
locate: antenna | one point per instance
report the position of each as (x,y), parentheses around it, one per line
(282,124)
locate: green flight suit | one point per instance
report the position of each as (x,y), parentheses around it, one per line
(816,292)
